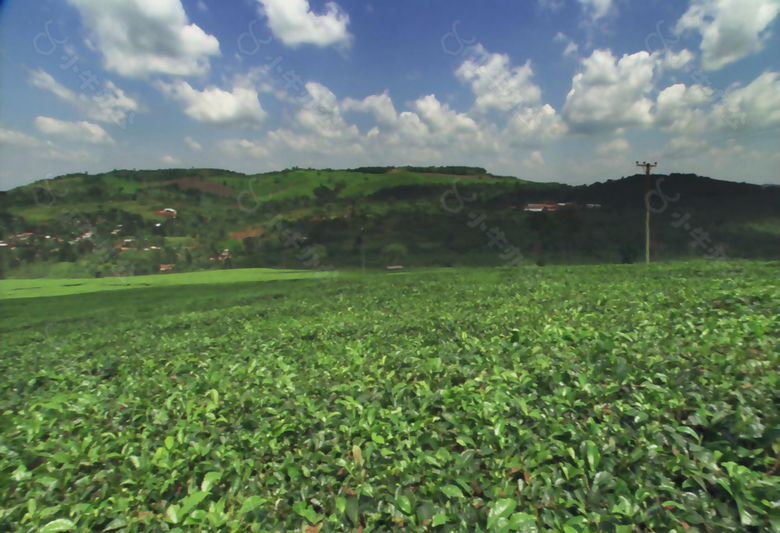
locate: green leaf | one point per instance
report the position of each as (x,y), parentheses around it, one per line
(169,442)
(452,491)
(439,519)
(377,438)
(404,504)
(191,501)
(209,480)
(61,524)
(523,522)
(293,472)
(352,509)
(621,371)
(689,431)
(499,509)
(341,504)
(357,454)
(593,456)
(251,503)
(173,514)
(116,523)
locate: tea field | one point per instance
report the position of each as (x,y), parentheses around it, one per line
(574,399)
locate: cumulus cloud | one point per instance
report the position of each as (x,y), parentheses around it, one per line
(759,101)
(534,160)
(613,148)
(73,131)
(729,29)
(142,37)
(169,160)
(698,108)
(112,105)
(193,144)
(379,105)
(294,23)
(17,138)
(495,84)
(610,94)
(215,106)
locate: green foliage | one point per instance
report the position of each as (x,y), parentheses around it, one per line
(608,398)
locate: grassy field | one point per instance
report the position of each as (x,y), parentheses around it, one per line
(572,399)
(36,288)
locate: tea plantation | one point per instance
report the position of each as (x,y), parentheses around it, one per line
(606,398)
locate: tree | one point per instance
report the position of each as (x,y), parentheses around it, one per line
(249,245)
(628,253)
(395,252)
(66,253)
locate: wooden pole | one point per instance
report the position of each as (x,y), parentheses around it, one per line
(647,167)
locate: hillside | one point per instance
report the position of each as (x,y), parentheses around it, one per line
(115,223)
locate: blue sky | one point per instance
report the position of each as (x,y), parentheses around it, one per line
(549,90)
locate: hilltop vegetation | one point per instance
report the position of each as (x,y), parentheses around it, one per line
(307,218)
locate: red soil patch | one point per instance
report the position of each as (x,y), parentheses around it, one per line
(200,184)
(248,232)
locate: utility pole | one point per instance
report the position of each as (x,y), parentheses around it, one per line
(647,166)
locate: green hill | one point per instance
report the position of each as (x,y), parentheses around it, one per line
(110,224)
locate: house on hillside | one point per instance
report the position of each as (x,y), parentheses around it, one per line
(167,212)
(549,206)
(165,268)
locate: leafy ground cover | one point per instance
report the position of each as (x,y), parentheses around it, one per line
(598,398)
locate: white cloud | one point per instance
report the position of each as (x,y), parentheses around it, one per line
(495,84)
(613,148)
(698,109)
(73,131)
(17,138)
(759,101)
(552,5)
(535,160)
(676,60)
(43,150)
(295,23)
(379,105)
(571,46)
(730,29)
(215,106)
(610,94)
(112,105)
(142,37)
(242,148)
(685,147)
(169,160)
(193,144)
(202,6)
(442,120)
(596,9)
(540,125)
